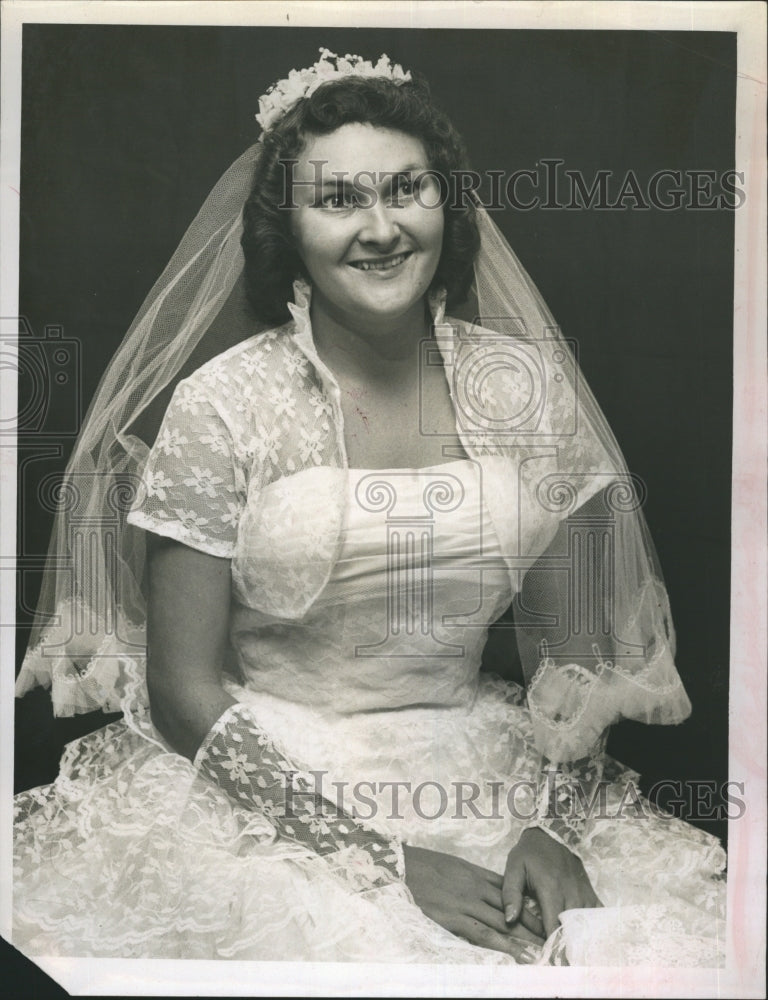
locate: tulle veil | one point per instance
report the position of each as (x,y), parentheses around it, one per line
(596,640)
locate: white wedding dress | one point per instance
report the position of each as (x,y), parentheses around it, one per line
(378,689)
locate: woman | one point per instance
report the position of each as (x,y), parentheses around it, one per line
(335,510)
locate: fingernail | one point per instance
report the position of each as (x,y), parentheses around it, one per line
(509,914)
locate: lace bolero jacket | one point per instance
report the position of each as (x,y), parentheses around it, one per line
(269,408)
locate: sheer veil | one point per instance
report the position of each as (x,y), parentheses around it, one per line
(592,619)
(91,610)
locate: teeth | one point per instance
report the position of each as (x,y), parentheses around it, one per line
(366,265)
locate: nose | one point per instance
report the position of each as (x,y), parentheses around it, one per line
(379,226)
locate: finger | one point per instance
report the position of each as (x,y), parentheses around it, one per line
(494,919)
(521,932)
(552,905)
(483,936)
(513,888)
(492,896)
(491,877)
(488,915)
(531,919)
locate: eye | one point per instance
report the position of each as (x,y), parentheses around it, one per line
(340,199)
(406,184)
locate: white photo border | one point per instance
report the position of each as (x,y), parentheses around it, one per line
(744,974)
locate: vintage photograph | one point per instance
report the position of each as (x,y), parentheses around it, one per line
(374,512)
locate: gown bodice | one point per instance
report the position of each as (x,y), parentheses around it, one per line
(404,616)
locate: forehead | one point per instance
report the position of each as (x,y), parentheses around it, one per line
(356,147)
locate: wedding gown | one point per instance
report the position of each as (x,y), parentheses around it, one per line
(378,690)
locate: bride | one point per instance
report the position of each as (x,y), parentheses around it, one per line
(291,616)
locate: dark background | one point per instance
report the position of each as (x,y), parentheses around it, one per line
(125,130)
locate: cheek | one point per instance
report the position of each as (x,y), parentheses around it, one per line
(312,252)
(317,246)
(432,229)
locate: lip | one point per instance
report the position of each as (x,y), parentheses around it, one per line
(401,257)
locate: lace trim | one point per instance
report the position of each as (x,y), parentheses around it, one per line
(176,531)
(93,679)
(65,613)
(242,760)
(566,795)
(570,717)
(229,715)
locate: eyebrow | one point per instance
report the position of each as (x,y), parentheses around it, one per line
(337,182)
(347,180)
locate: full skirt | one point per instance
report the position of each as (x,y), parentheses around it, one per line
(131,853)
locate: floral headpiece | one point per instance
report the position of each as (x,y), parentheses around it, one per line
(302,82)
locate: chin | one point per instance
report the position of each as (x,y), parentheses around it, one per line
(384,310)
(388,302)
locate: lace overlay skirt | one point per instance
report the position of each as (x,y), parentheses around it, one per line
(130,853)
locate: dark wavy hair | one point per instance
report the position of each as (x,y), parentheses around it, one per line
(271,259)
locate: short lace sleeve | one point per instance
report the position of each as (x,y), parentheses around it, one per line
(193,487)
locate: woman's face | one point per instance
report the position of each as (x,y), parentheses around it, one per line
(370,244)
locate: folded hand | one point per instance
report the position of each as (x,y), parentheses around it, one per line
(465,899)
(542,867)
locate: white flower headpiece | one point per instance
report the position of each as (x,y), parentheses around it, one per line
(302,82)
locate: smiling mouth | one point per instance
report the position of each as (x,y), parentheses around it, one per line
(381,265)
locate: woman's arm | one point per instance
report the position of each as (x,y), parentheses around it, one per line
(188,615)
(187,634)
(187,618)
(545,861)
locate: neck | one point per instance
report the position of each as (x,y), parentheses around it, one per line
(368,348)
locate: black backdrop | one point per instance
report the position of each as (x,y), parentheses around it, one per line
(126,128)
